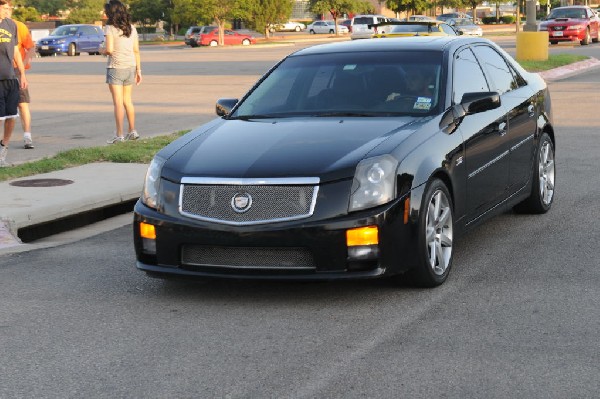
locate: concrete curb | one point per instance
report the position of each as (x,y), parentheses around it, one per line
(570,70)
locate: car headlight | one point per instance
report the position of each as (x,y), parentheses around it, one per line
(152,182)
(61,41)
(374,182)
(576,27)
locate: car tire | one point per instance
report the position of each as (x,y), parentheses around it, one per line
(586,40)
(553,42)
(331,31)
(297,29)
(542,180)
(312,32)
(435,236)
(245,42)
(213,43)
(72,50)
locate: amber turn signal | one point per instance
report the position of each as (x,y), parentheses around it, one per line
(362,236)
(147,231)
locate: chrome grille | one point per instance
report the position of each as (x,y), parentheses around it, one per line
(271,200)
(248,258)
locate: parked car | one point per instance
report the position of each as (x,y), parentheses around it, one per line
(72,40)
(350,173)
(289,26)
(191,35)
(360,27)
(572,23)
(325,27)
(404,29)
(195,40)
(419,18)
(451,15)
(211,38)
(465,26)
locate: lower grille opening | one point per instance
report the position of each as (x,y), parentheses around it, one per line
(247,258)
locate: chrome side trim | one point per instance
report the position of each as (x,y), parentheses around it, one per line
(514,147)
(493,161)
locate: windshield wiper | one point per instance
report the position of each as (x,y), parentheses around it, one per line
(247,117)
(348,113)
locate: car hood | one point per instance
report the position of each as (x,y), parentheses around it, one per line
(328,148)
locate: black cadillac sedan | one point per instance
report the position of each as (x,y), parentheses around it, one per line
(351,160)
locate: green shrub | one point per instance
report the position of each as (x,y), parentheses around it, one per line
(508,19)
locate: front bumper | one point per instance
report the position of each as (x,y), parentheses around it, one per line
(566,35)
(51,49)
(303,250)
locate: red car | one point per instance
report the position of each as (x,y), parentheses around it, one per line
(212,38)
(573,23)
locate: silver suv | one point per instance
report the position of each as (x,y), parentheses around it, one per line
(360,25)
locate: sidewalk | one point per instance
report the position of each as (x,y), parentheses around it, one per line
(41,205)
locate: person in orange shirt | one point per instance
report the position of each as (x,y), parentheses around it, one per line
(27,50)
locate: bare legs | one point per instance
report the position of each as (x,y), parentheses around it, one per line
(123,106)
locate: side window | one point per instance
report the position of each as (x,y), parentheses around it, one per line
(496,67)
(467,76)
(448,29)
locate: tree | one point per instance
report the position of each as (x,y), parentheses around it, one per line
(264,13)
(84,11)
(25,14)
(187,13)
(50,7)
(221,11)
(473,4)
(337,8)
(147,12)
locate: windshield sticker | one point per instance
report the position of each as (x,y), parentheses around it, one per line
(350,67)
(422,103)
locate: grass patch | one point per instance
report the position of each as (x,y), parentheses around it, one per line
(139,151)
(554,61)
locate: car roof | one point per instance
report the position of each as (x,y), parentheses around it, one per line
(422,43)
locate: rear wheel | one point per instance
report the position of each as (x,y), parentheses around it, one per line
(435,236)
(553,42)
(246,42)
(72,50)
(331,31)
(543,179)
(213,43)
(586,40)
(297,29)
(312,32)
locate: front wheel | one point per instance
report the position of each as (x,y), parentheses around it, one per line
(297,29)
(543,180)
(587,39)
(553,42)
(72,50)
(435,236)
(213,43)
(245,42)
(331,31)
(312,32)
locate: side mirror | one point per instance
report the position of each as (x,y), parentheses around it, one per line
(471,103)
(474,103)
(225,105)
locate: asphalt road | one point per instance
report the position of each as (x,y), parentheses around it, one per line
(518,316)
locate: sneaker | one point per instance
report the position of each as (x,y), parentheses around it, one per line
(3,152)
(28,143)
(116,139)
(133,135)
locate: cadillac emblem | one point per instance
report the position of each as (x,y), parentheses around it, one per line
(241,202)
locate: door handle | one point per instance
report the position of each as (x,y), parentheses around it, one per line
(502,128)
(530,110)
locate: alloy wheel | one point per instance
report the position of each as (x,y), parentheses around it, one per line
(546,173)
(438,234)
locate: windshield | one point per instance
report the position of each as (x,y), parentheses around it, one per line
(414,28)
(64,31)
(578,13)
(352,84)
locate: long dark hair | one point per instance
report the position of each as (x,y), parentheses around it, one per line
(118,16)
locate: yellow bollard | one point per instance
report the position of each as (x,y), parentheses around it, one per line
(532,46)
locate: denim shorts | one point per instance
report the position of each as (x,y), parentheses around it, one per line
(122,77)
